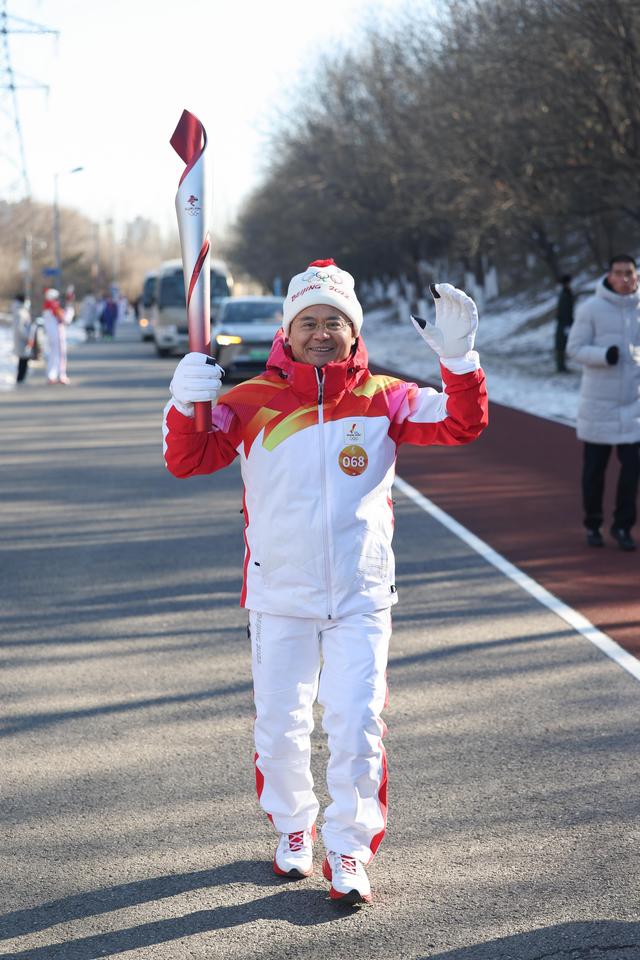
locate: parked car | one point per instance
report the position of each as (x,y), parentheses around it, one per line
(243,332)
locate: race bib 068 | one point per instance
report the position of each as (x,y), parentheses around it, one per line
(353,460)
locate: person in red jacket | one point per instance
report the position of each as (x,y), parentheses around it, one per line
(317,435)
(55,325)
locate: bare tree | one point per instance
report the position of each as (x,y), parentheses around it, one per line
(513,130)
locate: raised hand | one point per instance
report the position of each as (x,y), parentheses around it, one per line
(454,330)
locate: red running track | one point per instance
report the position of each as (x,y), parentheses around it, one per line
(518,488)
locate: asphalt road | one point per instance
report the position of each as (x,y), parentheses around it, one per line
(129,822)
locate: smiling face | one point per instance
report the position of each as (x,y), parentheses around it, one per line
(320,334)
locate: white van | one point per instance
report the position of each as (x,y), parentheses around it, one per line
(169,310)
(145,305)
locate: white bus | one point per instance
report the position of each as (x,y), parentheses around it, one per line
(168,313)
(145,305)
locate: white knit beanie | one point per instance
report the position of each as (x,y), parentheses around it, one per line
(322,282)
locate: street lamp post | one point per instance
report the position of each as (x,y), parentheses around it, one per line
(28,267)
(95,266)
(114,254)
(30,243)
(56,222)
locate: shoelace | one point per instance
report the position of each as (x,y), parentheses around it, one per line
(348,864)
(296,841)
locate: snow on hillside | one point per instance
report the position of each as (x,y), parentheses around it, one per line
(516,345)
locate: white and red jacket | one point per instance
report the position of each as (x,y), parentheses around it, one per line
(318,450)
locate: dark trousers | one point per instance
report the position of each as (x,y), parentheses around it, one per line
(23,363)
(594,466)
(562,335)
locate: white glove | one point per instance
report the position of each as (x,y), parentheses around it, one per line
(454,331)
(196,378)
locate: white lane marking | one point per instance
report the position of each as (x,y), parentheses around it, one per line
(571,616)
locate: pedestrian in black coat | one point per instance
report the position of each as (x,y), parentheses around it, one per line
(564,319)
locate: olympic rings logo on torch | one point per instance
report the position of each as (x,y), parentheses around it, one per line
(191,208)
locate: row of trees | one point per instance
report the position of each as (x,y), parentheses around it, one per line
(507,132)
(94,256)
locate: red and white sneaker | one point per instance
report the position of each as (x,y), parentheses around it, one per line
(294,854)
(349,882)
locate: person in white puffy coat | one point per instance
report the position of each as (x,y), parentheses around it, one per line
(605,340)
(23,334)
(317,435)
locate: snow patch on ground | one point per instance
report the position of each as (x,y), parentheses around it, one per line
(516,345)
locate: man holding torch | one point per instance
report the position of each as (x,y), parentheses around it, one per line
(317,435)
(55,323)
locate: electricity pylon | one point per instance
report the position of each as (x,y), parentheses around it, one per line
(14,179)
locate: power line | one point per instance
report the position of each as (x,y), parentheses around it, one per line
(11,82)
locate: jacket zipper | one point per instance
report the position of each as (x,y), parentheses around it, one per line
(323,493)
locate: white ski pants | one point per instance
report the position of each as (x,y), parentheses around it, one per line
(56,348)
(351,686)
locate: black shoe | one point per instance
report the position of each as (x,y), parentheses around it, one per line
(623,537)
(594,538)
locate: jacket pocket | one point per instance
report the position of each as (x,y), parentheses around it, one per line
(284,567)
(375,562)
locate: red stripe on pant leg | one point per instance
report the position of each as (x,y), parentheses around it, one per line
(382,800)
(260,783)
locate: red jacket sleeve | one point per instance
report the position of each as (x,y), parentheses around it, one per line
(457,415)
(189,452)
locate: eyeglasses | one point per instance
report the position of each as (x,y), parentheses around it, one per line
(331,326)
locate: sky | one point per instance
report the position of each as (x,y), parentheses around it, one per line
(121,71)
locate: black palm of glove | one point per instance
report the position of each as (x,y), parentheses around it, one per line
(612,356)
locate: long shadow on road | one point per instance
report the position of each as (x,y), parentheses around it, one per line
(10,726)
(284,903)
(595,940)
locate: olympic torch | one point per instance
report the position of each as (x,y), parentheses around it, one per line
(189,140)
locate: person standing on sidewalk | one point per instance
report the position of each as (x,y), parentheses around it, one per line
(108,318)
(317,436)
(605,339)
(564,320)
(89,316)
(23,334)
